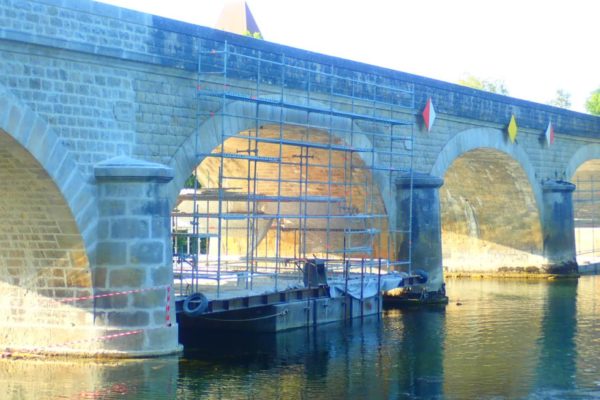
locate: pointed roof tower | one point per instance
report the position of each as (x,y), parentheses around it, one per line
(237,18)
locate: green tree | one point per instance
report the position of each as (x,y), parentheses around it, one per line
(190,183)
(474,82)
(255,35)
(562,99)
(593,103)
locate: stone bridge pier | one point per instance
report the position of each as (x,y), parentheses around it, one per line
(425,242)
(104,113)
(85,264)
(558,227)
(133,254)
(421,209)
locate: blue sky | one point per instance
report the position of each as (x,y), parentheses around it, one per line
(534,46)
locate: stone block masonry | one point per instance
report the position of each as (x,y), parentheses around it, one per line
(131,256)
(98,119)
(118,82)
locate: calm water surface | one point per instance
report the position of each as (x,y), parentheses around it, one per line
(506,339)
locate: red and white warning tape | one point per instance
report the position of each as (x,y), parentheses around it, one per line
(99,296)
(54,347)
(50,348)
(97,339)
(168,308)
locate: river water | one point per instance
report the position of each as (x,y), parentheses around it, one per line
(495,340)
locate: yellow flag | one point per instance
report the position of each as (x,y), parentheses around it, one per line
(512,129)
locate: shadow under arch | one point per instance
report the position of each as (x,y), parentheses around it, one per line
(33,133)
(583,170)
(490,203)
(477,138)
(47,231)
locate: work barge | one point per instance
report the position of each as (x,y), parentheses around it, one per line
(283,223)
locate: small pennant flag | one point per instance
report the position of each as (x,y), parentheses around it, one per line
(429,115)
(512,129)
(550,134)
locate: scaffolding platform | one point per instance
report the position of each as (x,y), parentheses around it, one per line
(281,197)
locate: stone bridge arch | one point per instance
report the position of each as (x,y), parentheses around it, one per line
(478,138)
(241,116)
(491,204)
(37,138)
(47,230)
(84,265)
(583,170)
(588,152)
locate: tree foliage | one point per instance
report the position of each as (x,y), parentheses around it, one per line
(593,102)
(496,86)
(192,183)
(562,99)
(255,35)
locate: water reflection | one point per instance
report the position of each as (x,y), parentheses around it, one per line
(331,361)
(507,339)
(419,355)
(400,356)
(88,379)
(588,332)
(491,339)
(556,368)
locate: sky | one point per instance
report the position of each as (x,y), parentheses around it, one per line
(535,47)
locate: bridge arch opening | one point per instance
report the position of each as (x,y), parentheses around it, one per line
(289,193)
(586,211)
(43,259)
(490,218)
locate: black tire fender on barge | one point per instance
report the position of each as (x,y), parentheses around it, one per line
(195,304)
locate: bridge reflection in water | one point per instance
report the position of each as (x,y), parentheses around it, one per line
(507,339)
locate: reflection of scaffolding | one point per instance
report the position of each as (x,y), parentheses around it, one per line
(586,199)
(296,175)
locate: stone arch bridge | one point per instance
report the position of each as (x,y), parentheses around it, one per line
(99,107)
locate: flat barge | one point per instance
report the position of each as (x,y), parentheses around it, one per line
(275,312)
(319,301)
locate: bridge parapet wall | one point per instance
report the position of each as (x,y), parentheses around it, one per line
(119,82)
(112,82)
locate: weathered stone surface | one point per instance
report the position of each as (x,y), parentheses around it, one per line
(100,277)
(162,275)
(150,299)
(425,239)
(157,337)
(99,111)
(149,252)
(111,302)
(126,277)
(128,319)
(112,207)
(129,228)
(559,226)
(111,253)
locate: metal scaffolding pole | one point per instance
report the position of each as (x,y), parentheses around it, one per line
(275,193)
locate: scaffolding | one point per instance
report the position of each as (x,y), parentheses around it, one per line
(586,204)
(292,171)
